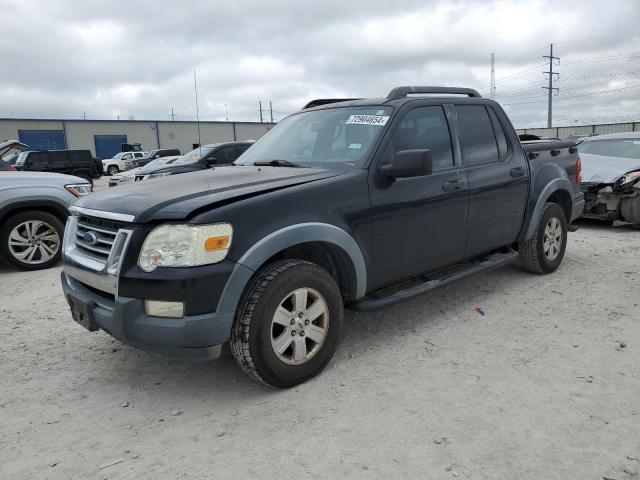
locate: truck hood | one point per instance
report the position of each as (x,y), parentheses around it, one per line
(176,197)
(37,179)
(605,169)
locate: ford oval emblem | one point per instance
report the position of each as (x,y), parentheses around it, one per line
(90,238)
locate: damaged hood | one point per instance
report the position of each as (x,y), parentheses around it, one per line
(176,197)
(605,169)
(12,146)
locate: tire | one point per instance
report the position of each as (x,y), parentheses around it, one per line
(256,333)
(532,252)
(16,244)
(113,170)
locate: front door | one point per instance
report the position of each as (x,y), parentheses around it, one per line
(419,224)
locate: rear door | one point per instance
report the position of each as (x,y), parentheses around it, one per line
(498,177)
(419,224)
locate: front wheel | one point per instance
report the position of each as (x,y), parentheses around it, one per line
(544,252)
(288,323)
(113,169)
(31,240)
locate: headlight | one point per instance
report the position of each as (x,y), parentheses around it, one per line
(80,189)
(185,246)
(629,178)
(156,175)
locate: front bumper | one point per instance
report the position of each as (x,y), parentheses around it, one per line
(192,338)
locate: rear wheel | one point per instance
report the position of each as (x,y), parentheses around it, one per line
(288,323)
(31,240)
(544,252)
(113,169)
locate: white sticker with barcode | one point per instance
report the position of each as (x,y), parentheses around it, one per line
(380,120)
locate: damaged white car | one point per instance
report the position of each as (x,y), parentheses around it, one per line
(611,177)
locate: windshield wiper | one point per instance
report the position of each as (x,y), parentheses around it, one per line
(278,163)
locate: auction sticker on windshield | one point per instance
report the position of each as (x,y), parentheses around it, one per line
(368,119)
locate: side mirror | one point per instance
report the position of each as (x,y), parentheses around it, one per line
(157,156)
(211,162)
(409,163)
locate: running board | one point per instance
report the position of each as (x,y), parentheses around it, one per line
(489,262)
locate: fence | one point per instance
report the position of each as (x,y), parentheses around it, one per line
(564,132)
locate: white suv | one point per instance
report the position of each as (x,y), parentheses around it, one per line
(111,166)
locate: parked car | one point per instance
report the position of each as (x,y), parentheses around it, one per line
(6,167)
(207,156)
(79,163)
(611,177)
(130,175)
(363,203)
(33,209)
(152,155)
(118,163)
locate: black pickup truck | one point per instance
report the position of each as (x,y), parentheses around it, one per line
(361,203)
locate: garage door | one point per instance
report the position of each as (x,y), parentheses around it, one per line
(108,145)
(43,139)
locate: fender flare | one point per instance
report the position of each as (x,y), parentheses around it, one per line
(286,237)
(552,187)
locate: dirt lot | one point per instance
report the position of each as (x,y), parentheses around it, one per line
(544,385)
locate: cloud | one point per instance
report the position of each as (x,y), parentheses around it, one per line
(110,58)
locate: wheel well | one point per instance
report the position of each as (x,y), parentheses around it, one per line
(55,211)
(328,256)
(562,198)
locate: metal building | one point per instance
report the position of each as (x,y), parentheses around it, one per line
(104,137)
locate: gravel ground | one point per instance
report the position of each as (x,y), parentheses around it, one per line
(545,384)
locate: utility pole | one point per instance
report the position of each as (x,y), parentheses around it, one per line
(271,111)
(226,112)
(492,87)
(550,88)
(173,117)
(260,103)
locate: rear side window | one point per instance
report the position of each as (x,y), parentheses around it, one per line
(501,138)
(426,128)
(59,160)
(476,135)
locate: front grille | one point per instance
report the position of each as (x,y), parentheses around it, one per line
(95,236)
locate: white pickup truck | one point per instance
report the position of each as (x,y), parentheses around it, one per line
(111,166)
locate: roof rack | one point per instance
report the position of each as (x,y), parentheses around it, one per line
(401,92)
(324,101)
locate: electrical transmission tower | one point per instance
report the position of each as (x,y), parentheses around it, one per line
(550,88)
(492,87)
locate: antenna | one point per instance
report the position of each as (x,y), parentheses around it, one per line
(195,87)
(492,88)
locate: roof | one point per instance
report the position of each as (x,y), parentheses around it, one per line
(612,136)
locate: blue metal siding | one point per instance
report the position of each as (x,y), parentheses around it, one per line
(108,145)
(43,139)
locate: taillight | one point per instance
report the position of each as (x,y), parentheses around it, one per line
(12,169)
(578,171)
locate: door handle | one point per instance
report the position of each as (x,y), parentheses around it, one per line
(453,186)
(517,172)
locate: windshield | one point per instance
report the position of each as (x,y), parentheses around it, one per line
(620,147)
(193,156)
(336,136)
(11,159)
(118,155)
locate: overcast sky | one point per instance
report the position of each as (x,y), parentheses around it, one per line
(120,58)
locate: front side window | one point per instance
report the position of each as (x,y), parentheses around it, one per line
(477,139)
(328,137)
(425,128)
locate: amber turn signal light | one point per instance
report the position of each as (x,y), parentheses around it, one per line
(216,243)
